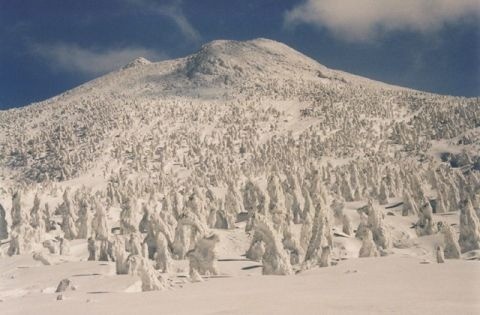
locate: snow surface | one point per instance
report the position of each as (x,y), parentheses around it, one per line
(398,285)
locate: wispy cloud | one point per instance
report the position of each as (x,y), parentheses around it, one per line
(73,58)
(172,10)
(358,20)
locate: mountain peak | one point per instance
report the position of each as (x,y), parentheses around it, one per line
(140,61)
(260,42)
(259,56)
(258,46)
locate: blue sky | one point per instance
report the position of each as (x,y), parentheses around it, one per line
(49,46)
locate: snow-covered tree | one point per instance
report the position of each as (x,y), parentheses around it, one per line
(3,224)
(368,249)
(202,259)
(469,227)
(128,218)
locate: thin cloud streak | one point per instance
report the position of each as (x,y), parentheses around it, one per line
(363,20)
(172,10)
(73,58)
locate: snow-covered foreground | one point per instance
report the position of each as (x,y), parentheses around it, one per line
(395,285)
(408,281)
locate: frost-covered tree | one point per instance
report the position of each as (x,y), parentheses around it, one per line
(256,251)
(451,246)
(346,225)
(425,224)
(100,229)
(321,237)
(120,255)
(128,218)
(233,206)
(188,231)
(84,221)
(154,224)
(3,224)
(92,249)
(100,233)
(372,219)
(141,267)
(202,259)
(469,227)
(383,194)
(134,245)
(22,235)
(68,217)
(254,201)
(277,207)
(36,213)
(439,255)
(368,249)
(163,259)
(409,205)
(380,231)
(275,259)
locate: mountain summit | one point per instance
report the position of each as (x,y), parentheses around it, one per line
(259,57)
(140,61)
(223,64)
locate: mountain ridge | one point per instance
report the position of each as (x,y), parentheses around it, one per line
(210,51)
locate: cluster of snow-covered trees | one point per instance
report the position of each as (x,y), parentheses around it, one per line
(161,221)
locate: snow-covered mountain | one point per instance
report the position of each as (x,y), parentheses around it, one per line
(248,147)
(257,75)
